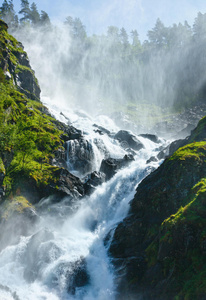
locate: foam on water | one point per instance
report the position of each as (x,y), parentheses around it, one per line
(80,238)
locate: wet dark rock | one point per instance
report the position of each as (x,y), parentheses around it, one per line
(60,158)
(66,185)
(92,181)
(77,276)
(152,159)
(128,140)
(74,273)
(110,166)
(70,132)
(162,154)
(80,155)
(101,130)
(60,185)
(131,152)
(152,137)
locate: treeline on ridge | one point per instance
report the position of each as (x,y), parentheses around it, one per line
(167,69)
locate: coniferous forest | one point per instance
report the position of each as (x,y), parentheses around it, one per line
(167,69)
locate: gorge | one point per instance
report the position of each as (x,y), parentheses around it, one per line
(90,210)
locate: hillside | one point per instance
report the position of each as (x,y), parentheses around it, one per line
(159,249)
(31,141)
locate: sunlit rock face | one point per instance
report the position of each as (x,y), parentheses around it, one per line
(15,63)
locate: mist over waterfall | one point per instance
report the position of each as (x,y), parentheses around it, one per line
(65,257)
(98,199)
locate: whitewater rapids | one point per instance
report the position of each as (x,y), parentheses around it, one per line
(78,239)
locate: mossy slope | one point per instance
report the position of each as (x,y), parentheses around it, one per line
(15,64)
(159,248)
(30,138)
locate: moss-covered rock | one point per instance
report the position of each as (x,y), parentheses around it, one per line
(17,217)
(159,249)
(31,141)
(15,64)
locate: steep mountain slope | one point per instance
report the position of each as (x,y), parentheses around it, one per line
(31,141)
(159,249)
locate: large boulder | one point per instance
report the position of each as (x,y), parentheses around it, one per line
(60,184)
(110,166)
(152,137)
(93,180)
(128,140)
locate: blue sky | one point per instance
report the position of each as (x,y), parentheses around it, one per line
(97,15)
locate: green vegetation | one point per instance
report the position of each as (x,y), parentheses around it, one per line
(28,137)
(15,205)
(183,236)
(2,168)
(178,246)
(28,134)
(196,151)
(190,266)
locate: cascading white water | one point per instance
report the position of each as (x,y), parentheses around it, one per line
(68,259)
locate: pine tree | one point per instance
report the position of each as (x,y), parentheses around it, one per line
(79,31)
(199,27)
(44,19)
(124,37)
(25,11)
(158,36)
(4,9)
(34,15)
(8,14)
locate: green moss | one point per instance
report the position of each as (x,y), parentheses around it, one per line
(30,135)
(194,211)
(21,68)
(191,268)
(16,205)
(196,151)
(2,168)
(2,76)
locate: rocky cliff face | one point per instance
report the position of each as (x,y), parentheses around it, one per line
(159,249)
(32,152)
(15,64)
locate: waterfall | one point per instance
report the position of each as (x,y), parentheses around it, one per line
(67,259)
